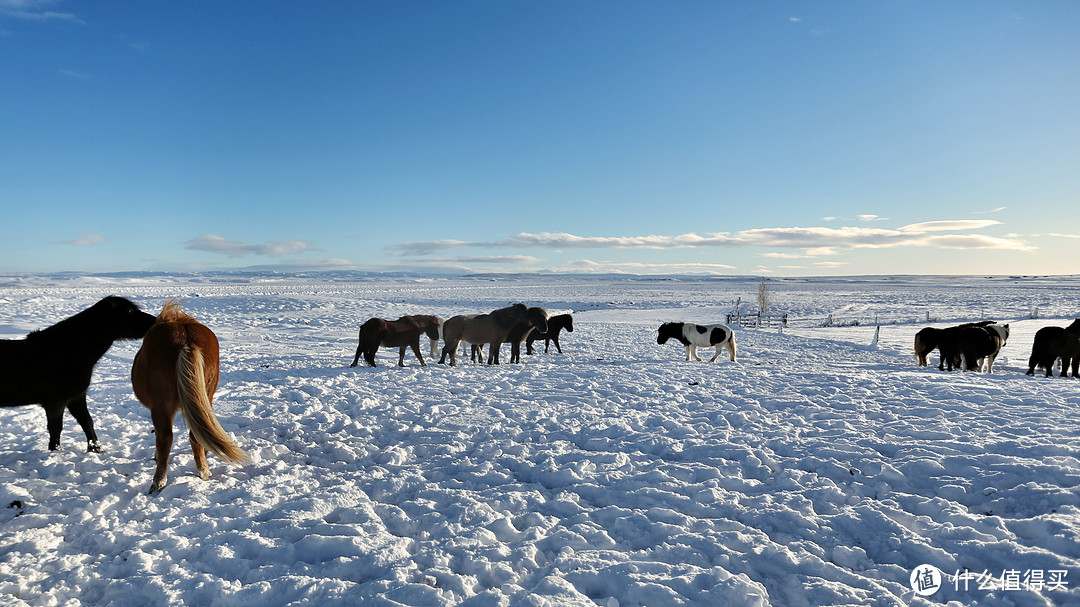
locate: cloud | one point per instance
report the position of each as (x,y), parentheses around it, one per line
(76,74)
(35,10)
(814,241)
(216,244)
(587,265)
(945,226)
(87,240)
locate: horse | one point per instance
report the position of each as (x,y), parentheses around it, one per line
(979,346)
(1052,343)
(401,333)
(555,324)
(176,369)
(520,332)
(930,338)
(491,328)
(53,367)
(464,344)
(926,341)
(694,336)
(966,346)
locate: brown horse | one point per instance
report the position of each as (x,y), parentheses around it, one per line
(177,370)
(491,329)
(401,333)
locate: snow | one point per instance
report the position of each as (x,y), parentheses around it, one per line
(817,470)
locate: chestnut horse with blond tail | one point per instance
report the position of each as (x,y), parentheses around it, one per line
(177,370)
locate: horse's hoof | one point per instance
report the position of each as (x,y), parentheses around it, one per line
(94,447)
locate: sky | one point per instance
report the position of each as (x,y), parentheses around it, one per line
(746,138)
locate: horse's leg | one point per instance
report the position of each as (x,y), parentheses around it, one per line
(199,451)
(719,349)
(78,409)
(449,347)
(515,352)
(54,417)
(493,352)
(359,351)
(401,355)
(416,350)
(163,440)
(557,346)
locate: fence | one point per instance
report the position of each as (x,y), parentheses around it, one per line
(758,319)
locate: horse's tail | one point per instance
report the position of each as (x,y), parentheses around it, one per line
(196,407)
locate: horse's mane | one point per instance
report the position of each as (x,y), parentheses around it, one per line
(81,322)
(171,312)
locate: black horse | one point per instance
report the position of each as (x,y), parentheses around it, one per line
(555,324)
(53,367)
(1052,343)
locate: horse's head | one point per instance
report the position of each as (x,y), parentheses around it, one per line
(667,331)
(568,323)
(538,319)
(433,328)
(124,319)
(1074,327)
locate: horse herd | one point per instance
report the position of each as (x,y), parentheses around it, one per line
(974,347)
(514,324)
(176,367)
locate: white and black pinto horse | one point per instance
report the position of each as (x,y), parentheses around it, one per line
(694,336)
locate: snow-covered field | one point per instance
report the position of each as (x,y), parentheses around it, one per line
(818,470)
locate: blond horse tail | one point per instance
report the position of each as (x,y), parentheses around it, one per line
(196,407)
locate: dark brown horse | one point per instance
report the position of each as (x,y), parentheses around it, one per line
(929,339)
(538,320)
(401,333)
(177,370)
(491,329)
(53,367)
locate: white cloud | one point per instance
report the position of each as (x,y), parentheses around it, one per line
(87,240)
(35,10)
(945,226)
(76,74)
(231,248)
(587,265)
(813,241)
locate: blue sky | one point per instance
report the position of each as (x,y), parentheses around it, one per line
(780,138)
